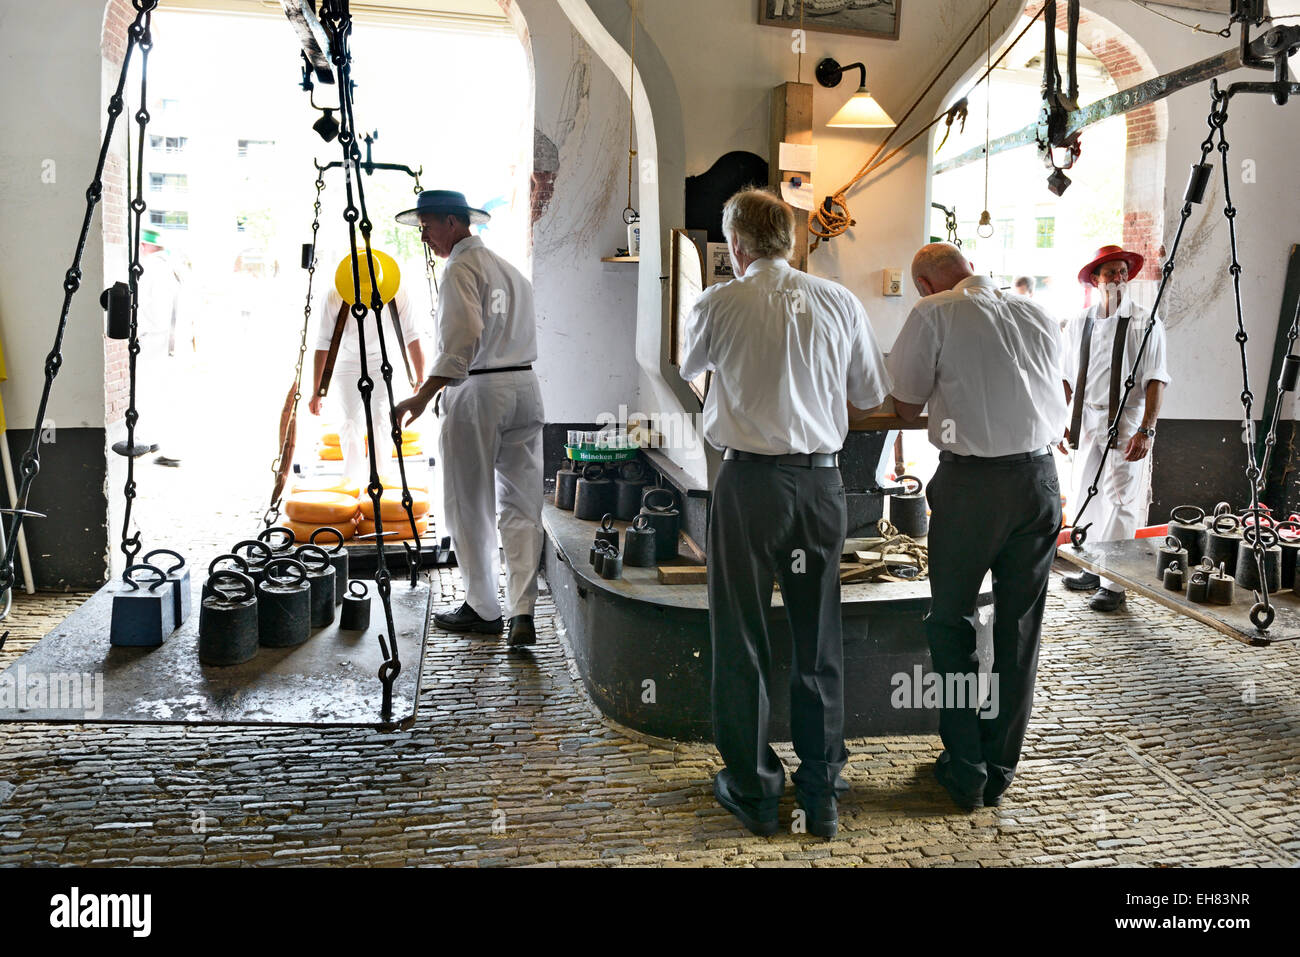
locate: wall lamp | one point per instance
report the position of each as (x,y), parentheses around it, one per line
(861,111)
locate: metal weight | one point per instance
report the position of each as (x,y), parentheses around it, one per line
(1288,539)
(607,532)
(595,494)
(320,580)
(657,505)
(1247,569)
(339,556)
(356,608)
(281,540)
(603,549)
(1187,524)
(628,488)
(1222,539)
(907,510)
(1220,591)
(257,558)
(179,576)
(639,546)
(1174,576)
(1198,584)
(228,619)
(566,488)
(612,566)
(214,566)
(1170,551)
(142,618)
(284,604)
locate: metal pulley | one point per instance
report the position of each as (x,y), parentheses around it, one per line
(320,582)
(339,557)
(143,618)
(356,608)
(179,577)
(1187,524)
(228,632)
(1170,551)
(639,544)
(658,505)
(284,604)
(907,509)
(629,486)
(595,495)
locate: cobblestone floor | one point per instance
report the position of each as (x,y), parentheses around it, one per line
(1155,741)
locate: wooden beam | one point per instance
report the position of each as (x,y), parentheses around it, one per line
(792,119)
(311,35)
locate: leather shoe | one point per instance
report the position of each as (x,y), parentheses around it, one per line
(466,620)
(963,799)
(1084,581)
(1106,600)
(992,797)
(522,631)
(763,826)
(822,815)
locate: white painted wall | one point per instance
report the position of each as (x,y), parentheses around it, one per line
(50,102)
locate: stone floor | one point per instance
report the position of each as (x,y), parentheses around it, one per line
(1155,741)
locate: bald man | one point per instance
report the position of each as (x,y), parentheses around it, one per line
(990,367)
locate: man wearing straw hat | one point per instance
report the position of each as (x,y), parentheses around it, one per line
(491,416)
(1102,345)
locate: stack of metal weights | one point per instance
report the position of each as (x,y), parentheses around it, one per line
(1217,550)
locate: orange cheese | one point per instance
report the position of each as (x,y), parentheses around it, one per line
(409,451)
(390,505)
(320,508)
(394,531)
(302,531)
(331,453)
(331,438)
(331,483)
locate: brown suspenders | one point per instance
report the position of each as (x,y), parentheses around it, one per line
(336,339)
(1116,374)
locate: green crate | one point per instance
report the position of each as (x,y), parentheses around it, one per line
(584,454)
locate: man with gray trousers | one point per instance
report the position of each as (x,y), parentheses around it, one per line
(788,353)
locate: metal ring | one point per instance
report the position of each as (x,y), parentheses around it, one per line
(607,523)
(632,471)
(1173,566)
(329,530)
(593,471)
(1261,615)
(1233,523)
(298,571)
(1173,544)
(254,544)
(180,559)
(248,591)
(129,578)
(1290,525)
(1223,508)
(286,533)
(1265,534)
(355,584)
(1185,509)
(319,557)
(640,523)
(212,565)
(911,478)
(649,494)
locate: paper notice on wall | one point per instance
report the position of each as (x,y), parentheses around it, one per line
(798,158)
(800,197)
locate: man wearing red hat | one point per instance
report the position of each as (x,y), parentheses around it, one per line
(1103,345)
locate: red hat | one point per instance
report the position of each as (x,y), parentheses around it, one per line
(1109,254)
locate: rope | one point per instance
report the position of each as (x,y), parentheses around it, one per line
(630,215)
(832,217)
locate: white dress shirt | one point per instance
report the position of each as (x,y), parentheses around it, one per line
(485,313)
(788,352)
(990,366)
(349,356)
(1097,389)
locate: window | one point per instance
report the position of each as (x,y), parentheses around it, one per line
(1006,233)
(255,148)
(170,144)
(177,181)
(1046,232)
(169,219)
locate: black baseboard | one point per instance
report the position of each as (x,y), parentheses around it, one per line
(69,547)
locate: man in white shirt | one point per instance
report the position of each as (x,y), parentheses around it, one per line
(1103,344)
(336,332)
(788,352)
(989,366)
(490,407)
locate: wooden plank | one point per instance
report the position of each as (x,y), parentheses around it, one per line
(683,575)
(692,550)
(792,122)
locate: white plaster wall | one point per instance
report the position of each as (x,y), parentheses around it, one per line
(50,102)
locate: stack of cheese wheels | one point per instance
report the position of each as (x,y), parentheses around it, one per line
(396,524)
(323,503)
(331,451)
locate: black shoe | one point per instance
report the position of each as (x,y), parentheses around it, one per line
(522,631)
(1106,600)
(167,461)
(992,796)
(762,826)
(465,619)
(823,817)
(1084,581)
(963,799)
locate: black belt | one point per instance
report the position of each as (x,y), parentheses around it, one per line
(996,459)
(808,460)
(502,369)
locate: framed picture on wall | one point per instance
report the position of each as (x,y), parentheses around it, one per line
(859,18)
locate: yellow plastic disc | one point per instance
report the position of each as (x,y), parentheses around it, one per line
(386,272)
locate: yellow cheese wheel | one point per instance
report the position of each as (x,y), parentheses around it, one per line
(320,508)
(394,531)
(409,437)
(331,438)
(302,531)
(391,505)
(409,450)
(331,453)
(395,481)
(331,483)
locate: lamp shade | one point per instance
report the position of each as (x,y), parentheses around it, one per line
(861,112)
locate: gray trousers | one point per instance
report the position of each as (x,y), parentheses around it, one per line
(768,522)
(1003,518)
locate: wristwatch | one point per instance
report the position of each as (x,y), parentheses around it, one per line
(1149,433)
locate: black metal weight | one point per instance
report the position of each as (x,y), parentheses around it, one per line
(179,577)
(611,566)
(639,546)
(607,532)
(907,510)
(602,549)
(228,632)
(628,488)
(1174,576)
(595,495)
(566,488)
(284,604)
(1247,569)
(320,579)
(215,566)
(1288,539)
(1170,551)
(1220,591)
(1198,584)
(1187,524)
(143,618)
(258,556)
(658,506)
(116,301)
(1222,539)
(339,557)
(356,608)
